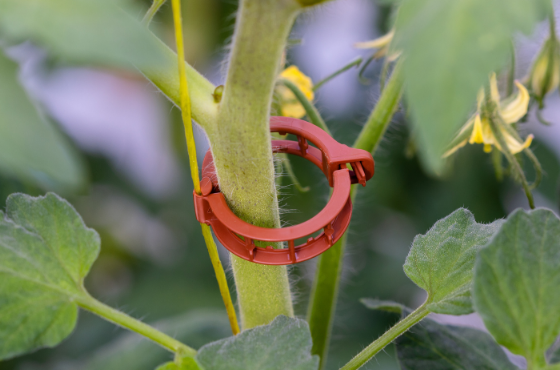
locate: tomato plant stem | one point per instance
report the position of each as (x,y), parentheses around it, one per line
(390,335)
(117,317)
(242,150)
(322,304)
(165,78)
(381,115)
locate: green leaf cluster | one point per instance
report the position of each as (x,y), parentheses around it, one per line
(514,287)
(45,253)
(441,262)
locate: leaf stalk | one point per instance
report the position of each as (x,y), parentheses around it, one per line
(390,335)
(121,319)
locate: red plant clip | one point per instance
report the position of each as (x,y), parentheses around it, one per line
(331,157)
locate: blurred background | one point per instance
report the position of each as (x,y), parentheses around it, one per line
(154,265)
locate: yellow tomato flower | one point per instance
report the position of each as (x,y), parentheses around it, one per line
(477,130)
(289,104)
(383,45)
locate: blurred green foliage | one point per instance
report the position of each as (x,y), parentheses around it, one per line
(80,31)
(32,149)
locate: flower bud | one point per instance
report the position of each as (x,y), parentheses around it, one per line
(545,74)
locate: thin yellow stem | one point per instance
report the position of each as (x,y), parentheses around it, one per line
(191,148)
(184,94)
(221,277)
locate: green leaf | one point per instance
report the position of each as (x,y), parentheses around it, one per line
(388,306)
(81,31)
(516,284)
(30,147)
(132,352)
(441,262)
(430,345)
(45,253)
(450,47)
(283,344)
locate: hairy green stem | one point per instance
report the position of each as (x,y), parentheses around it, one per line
(381,116)
(165,78)
(117,317)
(242,150)
(497,162)
(390,335)
(322,304)
(152,11)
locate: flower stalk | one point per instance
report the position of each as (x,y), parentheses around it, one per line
(496,124)
(355,63)
(312,112)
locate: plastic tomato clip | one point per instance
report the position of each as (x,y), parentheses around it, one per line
(331,157)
